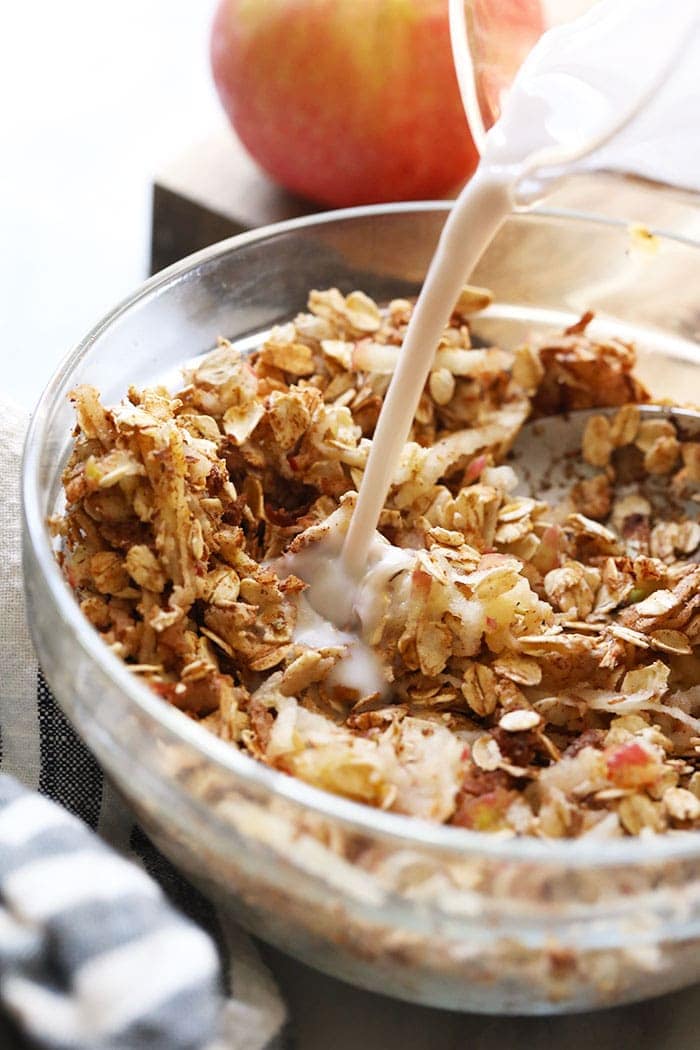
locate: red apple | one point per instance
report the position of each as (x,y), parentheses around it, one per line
(352,101)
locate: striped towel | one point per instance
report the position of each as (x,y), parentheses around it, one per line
(97,951)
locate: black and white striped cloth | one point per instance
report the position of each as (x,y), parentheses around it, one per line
(91,953)
(102,947)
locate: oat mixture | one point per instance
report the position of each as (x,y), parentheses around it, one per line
(541,661)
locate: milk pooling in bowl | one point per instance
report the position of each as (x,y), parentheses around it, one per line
(573,93)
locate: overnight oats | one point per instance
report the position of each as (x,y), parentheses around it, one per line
(509,662)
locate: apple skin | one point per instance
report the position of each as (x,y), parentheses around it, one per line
(346,101)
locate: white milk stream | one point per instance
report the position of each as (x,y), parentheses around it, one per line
(576,89)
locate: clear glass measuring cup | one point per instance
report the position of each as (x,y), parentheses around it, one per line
(490,39)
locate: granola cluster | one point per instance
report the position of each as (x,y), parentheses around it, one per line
(541,660)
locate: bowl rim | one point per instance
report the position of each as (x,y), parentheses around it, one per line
(401,830)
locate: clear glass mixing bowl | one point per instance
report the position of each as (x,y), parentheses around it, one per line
(435,914)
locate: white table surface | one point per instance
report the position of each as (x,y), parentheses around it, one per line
(96,96)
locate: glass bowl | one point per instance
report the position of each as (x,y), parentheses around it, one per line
(429,913)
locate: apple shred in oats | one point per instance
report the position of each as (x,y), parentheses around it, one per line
(540,661)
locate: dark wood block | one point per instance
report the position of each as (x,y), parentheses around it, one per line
(215,190)
(212,191)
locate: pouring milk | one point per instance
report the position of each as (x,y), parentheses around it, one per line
(573,93)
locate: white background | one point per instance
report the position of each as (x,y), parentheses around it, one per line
(94,96)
